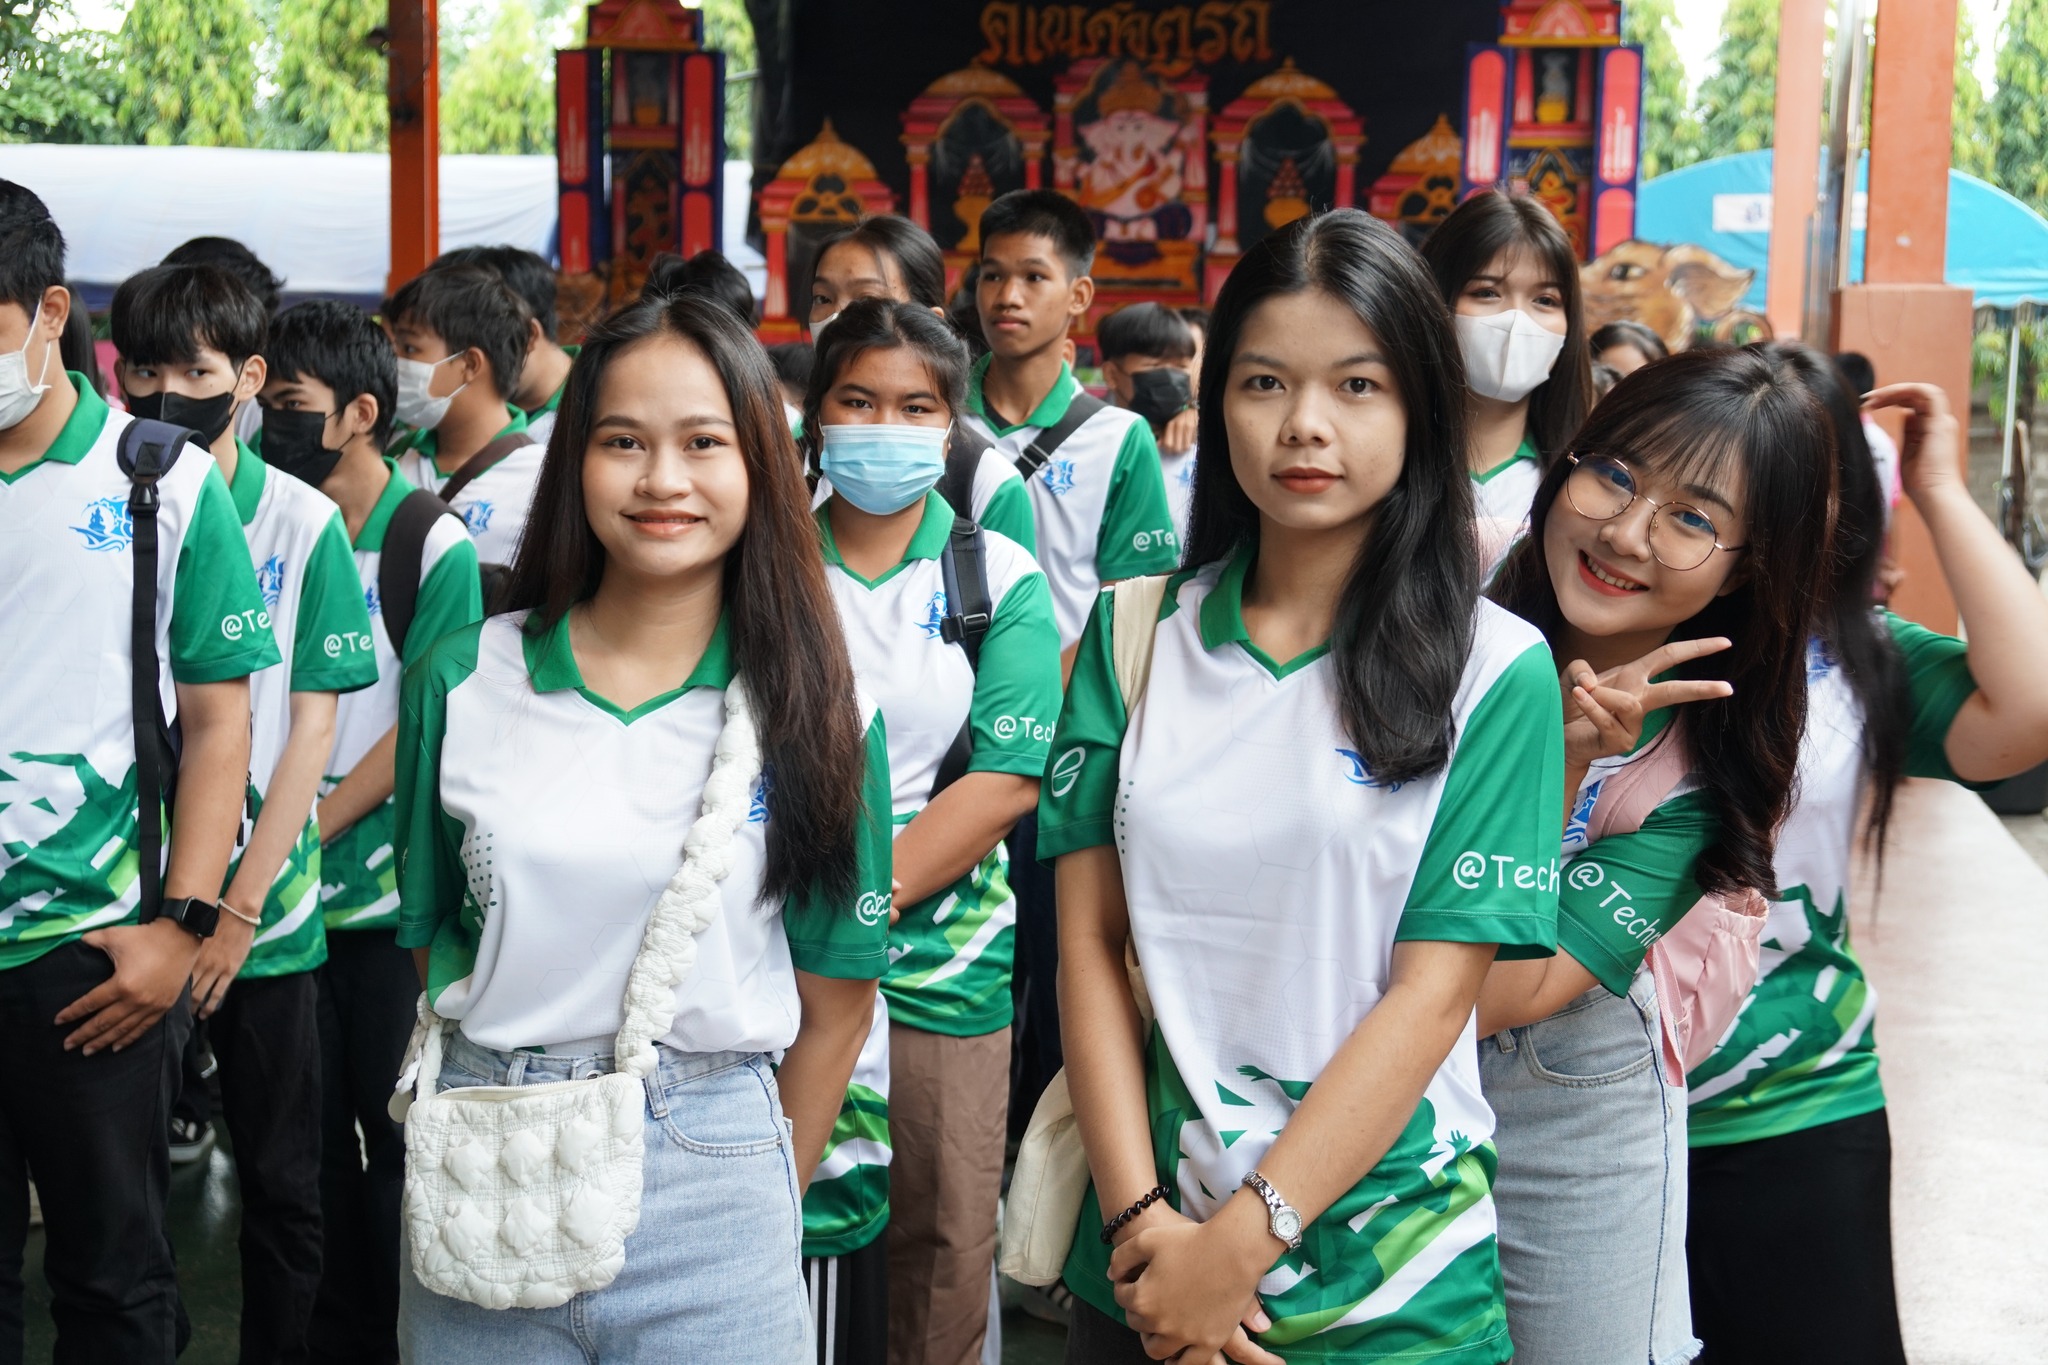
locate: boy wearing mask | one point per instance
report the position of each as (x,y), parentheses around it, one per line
(1148,354)
(546,372)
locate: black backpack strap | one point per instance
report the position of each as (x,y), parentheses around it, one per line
(494,450)
(963,565)
(1084,406)
(398,568)
(145,452)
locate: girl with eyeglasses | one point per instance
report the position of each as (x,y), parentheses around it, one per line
(1684,534)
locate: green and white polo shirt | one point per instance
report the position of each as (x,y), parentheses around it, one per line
(1098,505)
(1000,502)
(1803,1051)
(538,823)
(308,582)
(1507,490)
(359,866)
(1623,893)
(1269,875)
(540,421)
(495,503)
(1178,471)
(68,861)
(847,1205)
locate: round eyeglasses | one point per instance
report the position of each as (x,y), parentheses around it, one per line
(1681,535)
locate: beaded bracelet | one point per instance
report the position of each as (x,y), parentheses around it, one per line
(1116,1224)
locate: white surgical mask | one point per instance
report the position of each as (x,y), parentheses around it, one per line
(1507,354)
(416,407)
(818,328)
(18,397)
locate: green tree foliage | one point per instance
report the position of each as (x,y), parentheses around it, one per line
(330,79)
(188,72)
(1972,143)
(57,80)
(2019,107)
(499,96)
(727,29)
(1736,102)
(1671,136)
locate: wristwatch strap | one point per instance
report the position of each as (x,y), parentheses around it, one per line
(1275,1206)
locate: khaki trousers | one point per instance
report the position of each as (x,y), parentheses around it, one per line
(948,1106)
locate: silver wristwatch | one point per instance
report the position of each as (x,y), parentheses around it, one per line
(1282,1218)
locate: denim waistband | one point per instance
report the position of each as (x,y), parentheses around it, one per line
(539,1068)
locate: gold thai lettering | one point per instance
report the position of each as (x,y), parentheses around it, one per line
(1171,42)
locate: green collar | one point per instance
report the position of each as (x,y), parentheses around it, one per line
(551,664)
(247,489)
(395,488)
(1049,410)
(555,399)
(1525,451)
(928,542)
(1222,620)
(426,440)
(81,429)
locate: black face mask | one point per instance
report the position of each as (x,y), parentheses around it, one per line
(292,443)
(207,416)
(1160,395)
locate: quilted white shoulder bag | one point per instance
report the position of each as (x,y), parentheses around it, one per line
(524,1195)
(1051,1177)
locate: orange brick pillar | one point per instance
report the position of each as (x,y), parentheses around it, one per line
(1795,158)
(414,95)
(1910,324)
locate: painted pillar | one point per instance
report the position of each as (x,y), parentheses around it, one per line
(414,98)
(1795,158)
(1910,324)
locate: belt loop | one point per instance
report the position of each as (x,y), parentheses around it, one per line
(1505,1041)
(515,1070)
(657,1097)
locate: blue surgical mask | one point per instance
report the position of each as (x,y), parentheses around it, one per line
(882,468)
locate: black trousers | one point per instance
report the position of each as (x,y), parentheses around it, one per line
(1036,1055)
(1789,1241)
(368,993)
(1096,1338)
(850,1304)
(93,1134)
(266,1035)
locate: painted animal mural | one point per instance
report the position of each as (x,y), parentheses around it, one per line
(1684,293)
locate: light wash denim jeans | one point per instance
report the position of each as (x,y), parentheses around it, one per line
(712,1272)
(1591,1190)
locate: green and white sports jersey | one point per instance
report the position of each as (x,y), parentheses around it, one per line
(1623,893)
(1179,473)
(1803,1051)
(495,503)
(1269,875)
(359,866)
(68,860)
(538,823)
(847,1205)
(950,955)
(1507,490)
(308,582)
(1098,505)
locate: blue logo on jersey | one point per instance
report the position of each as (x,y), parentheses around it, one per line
(108,524)
(1187,475)
(757,813)
(1575,829)
(1360,772)
(1058,476)
(270,580)
(934,622)
(1820,660)
(372,601)
(477,517)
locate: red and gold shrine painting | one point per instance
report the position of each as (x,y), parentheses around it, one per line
(1188,131)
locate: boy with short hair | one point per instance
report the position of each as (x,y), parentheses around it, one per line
(92,998)
(546,371)
(329,392)
(1148,352)
(461,335)
(1098,498)
(191,340)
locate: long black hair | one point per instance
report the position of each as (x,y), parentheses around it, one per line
(1404,619)
(888,235)
(1465,243)
(879,324)
(1850,625)
(780,620)
(1684,417)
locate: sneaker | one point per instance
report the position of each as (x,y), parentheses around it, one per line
(1048,1303)
(190,1141)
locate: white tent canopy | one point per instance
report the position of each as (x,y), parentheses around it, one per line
(321,220)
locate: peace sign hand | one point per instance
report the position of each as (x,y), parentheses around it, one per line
(1604,713)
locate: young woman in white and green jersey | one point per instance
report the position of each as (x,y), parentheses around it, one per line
(1789,1234)
(886,388)
(1337,800)
(551,762)
(1682,532)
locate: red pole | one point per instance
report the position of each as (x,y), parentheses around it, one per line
(415,102)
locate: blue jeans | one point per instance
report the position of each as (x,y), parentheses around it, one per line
(1592,1185)
(712,1272)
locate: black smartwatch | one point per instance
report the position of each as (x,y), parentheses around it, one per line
(197,917)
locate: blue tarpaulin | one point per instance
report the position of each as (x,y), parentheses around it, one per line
(1997,246)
